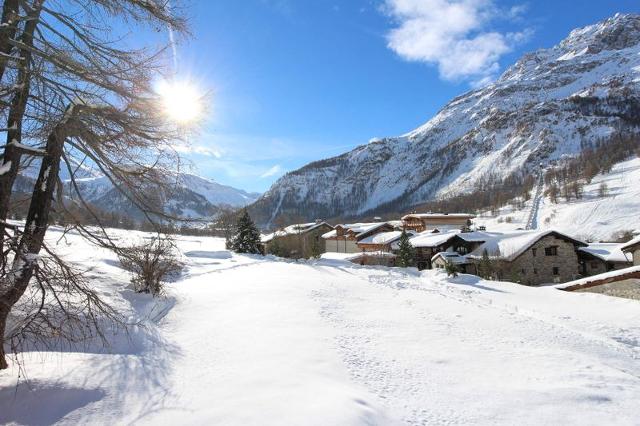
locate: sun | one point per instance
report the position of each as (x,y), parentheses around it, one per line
(181,100)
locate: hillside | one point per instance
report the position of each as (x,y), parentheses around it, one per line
(191,196)
(251,340)
(593,217)
(550,104)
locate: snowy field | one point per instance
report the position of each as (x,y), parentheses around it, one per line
(592,217)
(247,340)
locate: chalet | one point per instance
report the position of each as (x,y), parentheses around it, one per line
(427,244)
(373,258)
(632,248)
(597,258)
(532,257)
(464,264)
(380,242)
(345,238)
(420,222)
(296,241)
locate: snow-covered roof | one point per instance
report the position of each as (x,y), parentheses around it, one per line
(631,244)
(329,234)
(357,228)
(431,239)
(298,228)
(451,257)
(438,216)
(374,254)
(382,238)
(478,236)
(510,245)
(609,252)
(584,282)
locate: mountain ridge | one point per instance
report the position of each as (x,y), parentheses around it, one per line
(547,106)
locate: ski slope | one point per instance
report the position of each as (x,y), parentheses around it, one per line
(251,340)
(593,217)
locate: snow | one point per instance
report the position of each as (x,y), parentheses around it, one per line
(592,218)
(609,252)
(510,245)
(381,238)
(295,229)
(451,257)
(5,167)
(634,242)
(258,340)
(431,239)
(599,277)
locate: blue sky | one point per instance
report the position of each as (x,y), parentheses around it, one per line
(292,81)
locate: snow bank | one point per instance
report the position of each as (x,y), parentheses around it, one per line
(256,340)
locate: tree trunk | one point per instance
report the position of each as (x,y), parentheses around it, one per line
(14,284)
(7,32)
(12,153)
(4,314)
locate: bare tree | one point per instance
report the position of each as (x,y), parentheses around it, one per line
(77,97)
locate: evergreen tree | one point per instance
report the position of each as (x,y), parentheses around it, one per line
(247,237)
(316,250)
(485,268)
(451,269)
(406,252)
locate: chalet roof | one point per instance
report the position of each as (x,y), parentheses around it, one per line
(438,216)
(382,237)
(631,245)
(452,257)
(359,229)
(509,246)
(607,277)
(429,239)
(298,228)
(609,252)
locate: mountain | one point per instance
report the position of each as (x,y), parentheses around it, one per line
(192,197)
(550,104)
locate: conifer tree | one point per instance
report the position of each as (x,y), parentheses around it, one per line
(451,269)
(406,252)
(485,268)
(247,238)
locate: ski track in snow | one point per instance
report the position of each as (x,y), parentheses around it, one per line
(255,340)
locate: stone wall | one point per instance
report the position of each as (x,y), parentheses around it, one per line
(536,269)
(629,289)
(299,245)
(636,257)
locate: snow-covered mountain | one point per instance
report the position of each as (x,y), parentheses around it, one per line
(548,105)
(192,196)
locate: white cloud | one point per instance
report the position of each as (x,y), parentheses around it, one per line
(453,35)
(272,171)
(198,149)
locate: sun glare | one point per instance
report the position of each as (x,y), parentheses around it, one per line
(182,101)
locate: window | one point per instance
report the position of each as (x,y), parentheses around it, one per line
(535,271)
(556,270)
(524,271)
(533,251)
(551,251)
(594,265)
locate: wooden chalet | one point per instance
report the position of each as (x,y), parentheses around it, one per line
(420,222)
(345,238)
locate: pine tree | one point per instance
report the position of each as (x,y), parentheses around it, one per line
(316,250)
(451,269)
(406,252)
(247,237)
(485,268)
